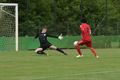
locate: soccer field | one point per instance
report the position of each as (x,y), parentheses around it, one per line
(26,65)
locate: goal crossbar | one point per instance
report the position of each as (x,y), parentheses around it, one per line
(9,4)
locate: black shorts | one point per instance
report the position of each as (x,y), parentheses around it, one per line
(45,45)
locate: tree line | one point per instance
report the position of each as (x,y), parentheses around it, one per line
(63,16)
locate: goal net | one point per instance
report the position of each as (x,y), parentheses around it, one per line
(8,27)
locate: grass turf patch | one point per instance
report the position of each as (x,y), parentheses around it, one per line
(26,65)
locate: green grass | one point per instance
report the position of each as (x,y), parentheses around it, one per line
(27,65)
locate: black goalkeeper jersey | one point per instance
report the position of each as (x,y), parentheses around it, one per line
(43,37)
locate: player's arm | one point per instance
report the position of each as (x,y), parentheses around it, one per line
(53,36)
(81,31)
(37,35)
(89,29)
(59,37)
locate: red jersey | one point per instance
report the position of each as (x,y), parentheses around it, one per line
(85,31)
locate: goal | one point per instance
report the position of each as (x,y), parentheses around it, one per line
(8,27)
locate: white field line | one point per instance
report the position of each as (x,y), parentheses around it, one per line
(67,76)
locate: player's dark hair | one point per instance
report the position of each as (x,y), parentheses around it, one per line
(83,20)
(43,27)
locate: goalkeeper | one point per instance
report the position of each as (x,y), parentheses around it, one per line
(44,43)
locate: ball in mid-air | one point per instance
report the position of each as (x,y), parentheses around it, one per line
(75,43)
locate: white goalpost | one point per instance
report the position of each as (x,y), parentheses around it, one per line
(9,26)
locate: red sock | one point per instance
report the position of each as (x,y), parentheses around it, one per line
(78,49)
(93,51)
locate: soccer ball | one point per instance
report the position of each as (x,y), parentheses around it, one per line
(75,43)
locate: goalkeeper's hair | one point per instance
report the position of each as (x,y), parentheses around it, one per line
(44,27)
(41,28)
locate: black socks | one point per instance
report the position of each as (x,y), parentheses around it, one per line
(41,52)
(60,50)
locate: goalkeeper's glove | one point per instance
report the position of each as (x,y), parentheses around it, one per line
(60,37)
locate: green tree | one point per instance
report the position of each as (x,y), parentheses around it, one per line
(63,16)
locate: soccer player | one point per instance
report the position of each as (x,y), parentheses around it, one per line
(44,43)
(86,39)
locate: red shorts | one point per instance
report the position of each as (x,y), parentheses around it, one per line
(87,43)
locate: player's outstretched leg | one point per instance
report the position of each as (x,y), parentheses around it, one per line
(77,46)
(94,52)
(58,49)
(40,51)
